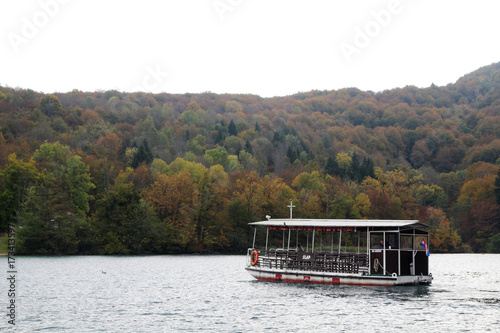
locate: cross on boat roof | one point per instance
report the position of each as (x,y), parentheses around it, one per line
(291,208)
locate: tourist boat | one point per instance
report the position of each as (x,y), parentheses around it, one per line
(334,251)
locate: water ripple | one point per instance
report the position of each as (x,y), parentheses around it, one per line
(214,293)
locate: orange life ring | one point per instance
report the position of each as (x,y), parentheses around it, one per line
(254,257)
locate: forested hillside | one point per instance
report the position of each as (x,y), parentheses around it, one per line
(109,172)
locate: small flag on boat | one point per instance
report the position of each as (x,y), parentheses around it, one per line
(424,244)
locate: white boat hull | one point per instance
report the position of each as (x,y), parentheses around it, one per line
(282,275)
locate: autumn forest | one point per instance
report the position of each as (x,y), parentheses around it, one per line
(110,172)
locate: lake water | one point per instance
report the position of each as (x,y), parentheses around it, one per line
(215,294)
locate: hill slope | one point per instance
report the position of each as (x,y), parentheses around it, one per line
(443,143)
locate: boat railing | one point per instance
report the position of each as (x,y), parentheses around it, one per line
(343,262)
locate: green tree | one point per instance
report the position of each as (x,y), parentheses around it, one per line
(210,228)
(392,193)
(190,117)
(56,207)
(197,145)
(248,147)
(15,179)
(195,170)
(366,169)
(233,144)
(232,128)
(215,156)
(51,106)
(431,195)
(158,166)
(311,181)
(239,216)
(67,171)
(257,127)
(48,222)
(124,223)
(451,183)
(344,161)
(332,167)
(494,244)
(292,153)
(143,154)
(222,131)
(497,187)
(59,125)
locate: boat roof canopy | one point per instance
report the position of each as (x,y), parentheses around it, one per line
(338,223)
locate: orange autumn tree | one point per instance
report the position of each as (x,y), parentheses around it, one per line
(174,198)
(274,196)
(245,188)
(310,188)
(476,210)
(443,238)
(391,194)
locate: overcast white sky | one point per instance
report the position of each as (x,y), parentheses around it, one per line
(263,47)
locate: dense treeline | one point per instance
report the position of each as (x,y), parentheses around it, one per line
(126,173)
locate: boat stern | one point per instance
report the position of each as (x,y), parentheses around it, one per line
(406,280)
